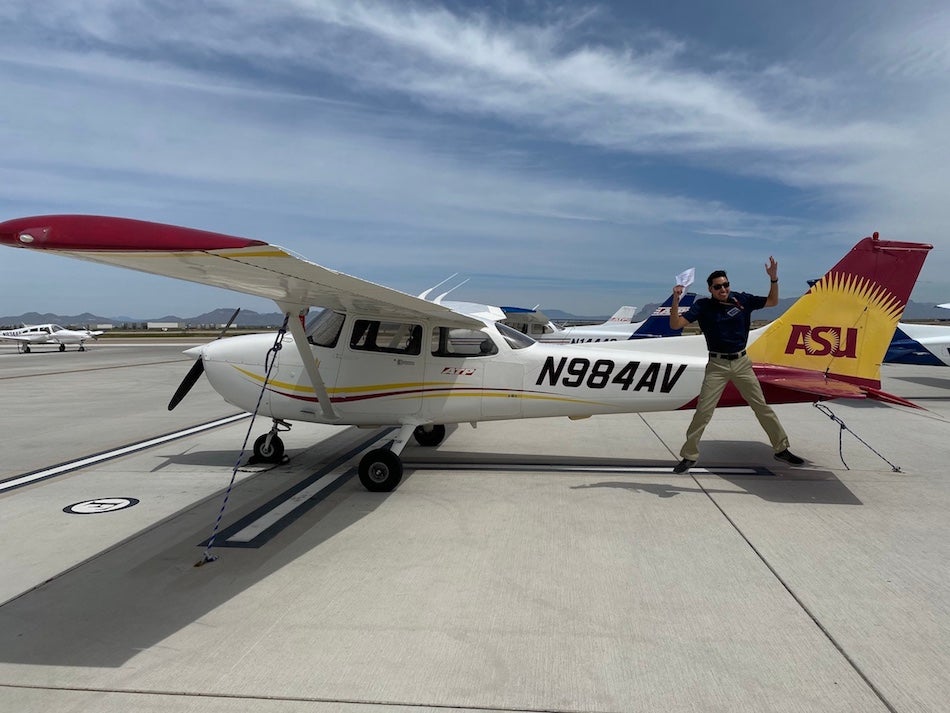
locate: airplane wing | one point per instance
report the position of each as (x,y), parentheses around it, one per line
(250,266)
(34,338)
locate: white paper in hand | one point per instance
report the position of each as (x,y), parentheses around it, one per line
(686,277)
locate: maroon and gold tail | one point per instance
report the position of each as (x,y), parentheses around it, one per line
(842,326)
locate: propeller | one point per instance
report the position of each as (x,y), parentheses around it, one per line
(194,373)
(196,370)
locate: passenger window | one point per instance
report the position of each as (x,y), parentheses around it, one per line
(387,337)
(458,342)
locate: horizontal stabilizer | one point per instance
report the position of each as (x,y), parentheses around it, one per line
(808,382)
(817,384)
(889,398)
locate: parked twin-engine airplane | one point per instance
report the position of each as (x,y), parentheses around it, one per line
(619,327)
(377,357)
(48,334)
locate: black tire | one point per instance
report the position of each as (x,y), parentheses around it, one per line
(274,454)
(431,437)
(380,470)
(62,347)
(26,348)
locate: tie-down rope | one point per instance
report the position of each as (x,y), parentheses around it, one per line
(843,427)
(269,360)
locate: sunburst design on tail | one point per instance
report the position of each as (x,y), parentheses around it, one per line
(876,297)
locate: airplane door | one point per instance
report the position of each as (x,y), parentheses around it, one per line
(467,379)
(381,371)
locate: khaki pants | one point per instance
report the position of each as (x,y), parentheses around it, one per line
(719,372)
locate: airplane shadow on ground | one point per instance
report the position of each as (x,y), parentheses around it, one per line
(929,381)
(749,467)
(135,594)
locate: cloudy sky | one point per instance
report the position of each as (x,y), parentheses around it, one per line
(569,154)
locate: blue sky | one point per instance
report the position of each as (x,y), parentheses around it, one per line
(574,155)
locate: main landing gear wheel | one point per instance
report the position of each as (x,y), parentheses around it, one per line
(429,435)
(82,348)
(273,453)
(380,470)
(62,347)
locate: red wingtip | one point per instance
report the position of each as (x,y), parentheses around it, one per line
(99,233)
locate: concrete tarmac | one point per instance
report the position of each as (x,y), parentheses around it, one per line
(537,565)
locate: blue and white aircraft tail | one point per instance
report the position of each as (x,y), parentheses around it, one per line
(619,327)
(922,344)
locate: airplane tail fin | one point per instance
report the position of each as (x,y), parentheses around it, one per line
(658,323)
(624,315)
(843,325)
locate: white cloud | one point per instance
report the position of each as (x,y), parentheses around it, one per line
(386,124)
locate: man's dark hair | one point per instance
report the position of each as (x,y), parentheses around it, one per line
(714,275)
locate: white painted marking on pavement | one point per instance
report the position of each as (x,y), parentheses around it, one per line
(83,462)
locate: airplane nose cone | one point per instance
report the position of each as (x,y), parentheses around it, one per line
(195,352)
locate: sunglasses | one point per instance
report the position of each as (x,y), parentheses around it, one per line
(721,286)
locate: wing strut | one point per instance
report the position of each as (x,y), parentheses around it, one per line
(295,323)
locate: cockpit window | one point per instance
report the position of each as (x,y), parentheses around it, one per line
(324,329)
(515,339)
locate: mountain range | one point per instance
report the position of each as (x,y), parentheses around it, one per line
(249,318)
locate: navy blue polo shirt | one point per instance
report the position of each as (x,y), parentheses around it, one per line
(725,324)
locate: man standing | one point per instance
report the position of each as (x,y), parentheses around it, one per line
(725,318)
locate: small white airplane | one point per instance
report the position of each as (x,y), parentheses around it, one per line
(619,327)
(28,336)
(378,357)
(923,344)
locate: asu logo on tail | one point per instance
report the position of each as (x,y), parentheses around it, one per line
(823,341)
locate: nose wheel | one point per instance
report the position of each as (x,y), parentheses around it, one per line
(269,448)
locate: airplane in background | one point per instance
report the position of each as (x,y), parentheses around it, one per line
(376,357)
(28,336)
(619,327)
(923,344)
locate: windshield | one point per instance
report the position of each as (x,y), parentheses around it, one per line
(324,329)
